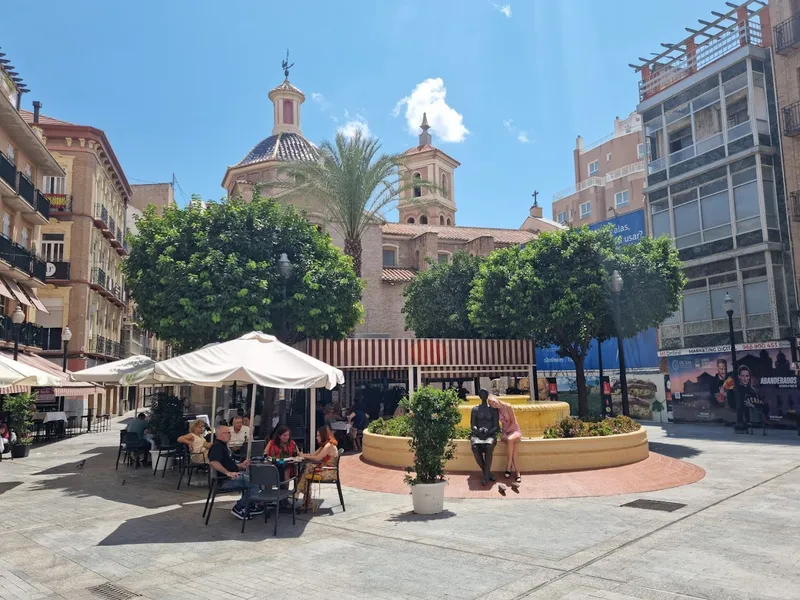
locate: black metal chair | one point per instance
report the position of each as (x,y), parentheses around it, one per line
(185,465)
(72,423)
(331,470)
(272,490)
(257,449)
(165,451)
(131,444)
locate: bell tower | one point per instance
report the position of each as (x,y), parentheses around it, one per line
(431,202)
(286,101)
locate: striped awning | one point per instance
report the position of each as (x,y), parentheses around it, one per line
(359,353)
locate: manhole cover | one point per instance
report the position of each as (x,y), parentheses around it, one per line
(112,592)
(655,505)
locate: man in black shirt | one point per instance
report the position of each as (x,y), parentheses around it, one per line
(230,474)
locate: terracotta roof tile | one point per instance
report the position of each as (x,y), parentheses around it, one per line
(417,149)
(397,274)
(43,120)
(461,234)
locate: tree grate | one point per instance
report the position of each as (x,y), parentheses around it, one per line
(655,505)
(109,591)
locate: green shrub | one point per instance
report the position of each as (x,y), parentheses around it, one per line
(575,428)
(396,427)
(166,416)
(21,408)
(434,416)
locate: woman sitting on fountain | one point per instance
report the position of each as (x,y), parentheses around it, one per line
(510,434)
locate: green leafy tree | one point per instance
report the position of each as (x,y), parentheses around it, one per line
(355,184)
(436,300)
(556,290)
(434,416)
(209,272)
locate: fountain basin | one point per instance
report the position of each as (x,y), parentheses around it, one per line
(533,417)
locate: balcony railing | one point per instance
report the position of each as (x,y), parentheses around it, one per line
(30,334)
(101,216)
(51,339)
(112,225)
(58,270)
(794,204)
(579,187)
(60,202)
(21,258)
(726,41)
(8,172)
(625,171)
(787,34)
(99,277)
(105,346)
(791,119)
(42,204)
(27,191)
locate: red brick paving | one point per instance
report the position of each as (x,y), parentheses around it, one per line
(657,472)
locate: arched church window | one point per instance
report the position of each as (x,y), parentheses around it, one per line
(444,186)
(441,220)
(288,112)
(417,187)
(410,220)
(449,222)
(423,220)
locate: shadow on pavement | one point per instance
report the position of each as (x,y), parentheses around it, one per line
(7,486)
(674,450)
(412,517)
(185,525)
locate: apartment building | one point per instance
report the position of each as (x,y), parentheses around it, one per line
(83,243)
(24,210)
(609,177)
(715,178)
(135,339)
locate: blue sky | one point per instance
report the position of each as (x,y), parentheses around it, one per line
(180,86)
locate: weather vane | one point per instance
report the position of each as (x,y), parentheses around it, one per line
(535,195)
(286,66)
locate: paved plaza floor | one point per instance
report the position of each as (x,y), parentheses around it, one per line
(67,525)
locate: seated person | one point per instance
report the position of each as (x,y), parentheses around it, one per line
(358,419)
(141,427)
(5,438)
(220,420)
(198,446)
(327,455)
(230,474)
(239,434)
(282,446)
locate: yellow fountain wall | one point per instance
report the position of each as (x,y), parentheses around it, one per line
(533,417)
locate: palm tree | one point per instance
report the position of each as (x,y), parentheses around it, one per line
(355,184)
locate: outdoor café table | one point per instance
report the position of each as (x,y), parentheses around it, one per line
(281,464)
(49,417)
(341,426)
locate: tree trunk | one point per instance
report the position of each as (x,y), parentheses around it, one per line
(583,393)
(352,248)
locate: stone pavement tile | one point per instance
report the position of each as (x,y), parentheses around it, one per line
(572,586)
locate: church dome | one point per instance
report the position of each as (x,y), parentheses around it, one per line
(284,146)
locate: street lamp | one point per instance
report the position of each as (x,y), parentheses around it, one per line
(740,426)
(616,288)
(285,267)
(66,336)
(17,317)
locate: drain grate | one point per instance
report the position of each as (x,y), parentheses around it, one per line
(655,505)
(112,592)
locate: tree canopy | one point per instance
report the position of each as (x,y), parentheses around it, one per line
(436,300)
(556,290)
(209,272)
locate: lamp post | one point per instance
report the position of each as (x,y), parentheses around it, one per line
(17,317)
(616,288)
(66,336)
(740,426)
(286,267)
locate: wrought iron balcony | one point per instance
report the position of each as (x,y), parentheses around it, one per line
(787,34)
(21,258)
(101,216)
(31,334)
(791,120)
(60,202)
(27,191)
(8,171)
(42,204)
(99,277)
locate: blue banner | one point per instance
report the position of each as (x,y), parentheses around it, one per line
(641,350)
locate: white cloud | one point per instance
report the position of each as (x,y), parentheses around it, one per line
(504,8)
(351,127)
(521,135)
(430,97)
(321,100)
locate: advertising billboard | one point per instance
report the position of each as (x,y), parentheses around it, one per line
(629,228)
(703,383)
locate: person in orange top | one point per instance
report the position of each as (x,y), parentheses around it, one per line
(314,469)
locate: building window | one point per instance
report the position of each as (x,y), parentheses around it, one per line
(53,247)
(654,136)
(608,157)
(11,154)
(417,187)
(54,185)
(586,209)
(6,225)
(444,186)
(449,222)
(423,220)
(441,219)
(756,298)
(640,151)
(594,168)
(745,200)
(288,112)
(410,220)
(389,257)
(770,205)
(622,198)
(562,217)
(702,214)
(24,237)
(443,258)
(736,109)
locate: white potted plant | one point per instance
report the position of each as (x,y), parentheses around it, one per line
(434,416)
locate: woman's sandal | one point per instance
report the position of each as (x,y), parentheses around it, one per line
(518,479)
(507,474)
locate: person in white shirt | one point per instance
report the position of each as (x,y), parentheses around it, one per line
(239,434)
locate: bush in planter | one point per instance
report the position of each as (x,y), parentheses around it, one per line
(575,428)
(166,416)
(21,408)
(433,416)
